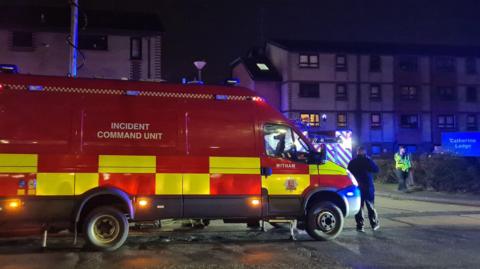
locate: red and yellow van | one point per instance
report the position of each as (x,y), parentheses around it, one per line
(93,155)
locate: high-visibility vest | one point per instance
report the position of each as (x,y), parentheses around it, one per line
(402,163)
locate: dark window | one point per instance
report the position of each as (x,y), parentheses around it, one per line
(310,119)
(472,122)
(409,92)
(342,120)
(408,63)
(446,93)
(341,62)
(341,92)
(375,63)
(375,120)
(445,64)
(308,61)
(470,66)
(375,92)
(93,42)
(472,94)
(22,39)
(411,148)
(446,121)
(409,121)
(309,90)
(136,48)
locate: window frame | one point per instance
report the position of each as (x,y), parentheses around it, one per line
(409,125)
(471,66)
(446,97)
(342,124)
(15,37)
(445,64)
(446,125)
(407,63)
(378,96)
(375,66)
(309,63)
(472,126)
(408,94)
(341,67)
(140,47)
(312,123)
(84,41)
(293,135)
(338,95)
(469,97)
(317,90)
(379,123)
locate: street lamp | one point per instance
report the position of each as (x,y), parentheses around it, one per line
(199,65)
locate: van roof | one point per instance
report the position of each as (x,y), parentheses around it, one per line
(102,85)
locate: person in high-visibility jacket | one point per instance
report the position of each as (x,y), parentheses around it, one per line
(403,166)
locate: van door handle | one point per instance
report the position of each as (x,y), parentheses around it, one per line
(266,171)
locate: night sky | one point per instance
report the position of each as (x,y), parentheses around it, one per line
(222,30)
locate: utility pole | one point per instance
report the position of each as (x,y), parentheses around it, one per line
(73,43)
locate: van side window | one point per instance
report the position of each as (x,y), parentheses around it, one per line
(282,142)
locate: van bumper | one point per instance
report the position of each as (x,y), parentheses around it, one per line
(351,196)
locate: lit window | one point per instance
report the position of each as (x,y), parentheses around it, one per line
(262,67)
(310,119)
(375,120)
(308,61)
(342,120)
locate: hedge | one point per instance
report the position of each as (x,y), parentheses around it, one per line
(439,172)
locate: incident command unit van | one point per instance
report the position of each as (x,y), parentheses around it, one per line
(94,155)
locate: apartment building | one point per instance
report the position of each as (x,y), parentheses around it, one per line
(111,44)
(386,94)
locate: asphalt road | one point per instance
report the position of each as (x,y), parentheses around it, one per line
(413,234)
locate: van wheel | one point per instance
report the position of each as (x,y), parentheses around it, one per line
(324,221)
(106,228)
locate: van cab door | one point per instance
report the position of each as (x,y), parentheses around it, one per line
(286,154)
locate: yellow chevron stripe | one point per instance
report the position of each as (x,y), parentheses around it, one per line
(50,184)
(18,163)
(331,168)
(235,165)
(126,164)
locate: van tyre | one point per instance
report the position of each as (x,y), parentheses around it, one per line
(324,221)
(106,229)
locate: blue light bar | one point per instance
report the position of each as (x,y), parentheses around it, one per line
(221,97)
(35,88)
(133,93)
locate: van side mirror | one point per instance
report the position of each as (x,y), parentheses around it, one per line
(317,157)
(266,171)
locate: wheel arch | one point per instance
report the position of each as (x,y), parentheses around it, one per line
(103,197)
(325,194)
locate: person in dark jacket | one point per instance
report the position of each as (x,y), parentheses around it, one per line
(362,167)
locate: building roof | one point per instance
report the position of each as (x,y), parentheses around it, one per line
(375,48)
(259,68)
(57,19)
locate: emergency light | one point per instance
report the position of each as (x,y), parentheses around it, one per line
(133,93)
(221,97)
(35,88)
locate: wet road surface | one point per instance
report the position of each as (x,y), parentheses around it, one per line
(413,234)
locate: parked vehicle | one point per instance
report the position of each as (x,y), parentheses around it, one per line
(94,155)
